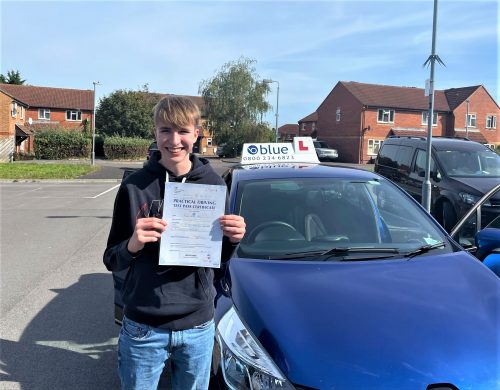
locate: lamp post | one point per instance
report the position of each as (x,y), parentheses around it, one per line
(93,125)
(467,120)
(269,81)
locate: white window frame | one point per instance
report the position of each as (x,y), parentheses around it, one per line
(374,146)
(337,114)
(22,112)
(471,120)
(491,146)
(491,121)
(425,114)
(302,126)
(45,114)
(209,141)
(313,126)
(382,113)
(14,109)
(69,115)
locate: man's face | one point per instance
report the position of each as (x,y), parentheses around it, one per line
(175,143)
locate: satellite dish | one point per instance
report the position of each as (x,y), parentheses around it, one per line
(30,121)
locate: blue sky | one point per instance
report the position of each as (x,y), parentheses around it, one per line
(308,46)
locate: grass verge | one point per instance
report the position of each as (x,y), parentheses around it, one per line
(44,171)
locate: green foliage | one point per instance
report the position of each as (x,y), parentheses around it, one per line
(58,145)
(126,148)
(127,113)
(235,102)
(13,77)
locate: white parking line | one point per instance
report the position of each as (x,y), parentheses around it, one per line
(102,193)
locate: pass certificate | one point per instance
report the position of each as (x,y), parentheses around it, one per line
(193,236)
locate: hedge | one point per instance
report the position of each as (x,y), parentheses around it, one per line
(60,145)
(124,148)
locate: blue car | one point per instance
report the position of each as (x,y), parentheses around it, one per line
(343,281)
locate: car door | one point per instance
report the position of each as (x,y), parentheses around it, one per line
(416,177)
(478,231)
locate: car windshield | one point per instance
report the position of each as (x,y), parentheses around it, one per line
(304,218)
(473,163)
(321,144)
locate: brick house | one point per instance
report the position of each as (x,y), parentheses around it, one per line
(42,108)
(307,125)
(355,118)
(288,131)
(12,117)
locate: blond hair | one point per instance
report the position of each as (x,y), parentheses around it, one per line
(179,111)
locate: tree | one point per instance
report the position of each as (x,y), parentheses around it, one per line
(127,113)
(13,77)
(235,102)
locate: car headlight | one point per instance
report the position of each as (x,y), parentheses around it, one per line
(244,362)
(468,198)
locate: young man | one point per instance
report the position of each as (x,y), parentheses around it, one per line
(168,309)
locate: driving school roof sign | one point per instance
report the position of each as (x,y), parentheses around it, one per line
(301,150)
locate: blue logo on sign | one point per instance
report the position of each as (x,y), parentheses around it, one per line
(252,149)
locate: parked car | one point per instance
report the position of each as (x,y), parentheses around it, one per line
(461,172)
(344,281)
(226,150)
(478,234)
(324,151)
(153,148)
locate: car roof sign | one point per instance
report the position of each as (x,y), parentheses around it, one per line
(301,151)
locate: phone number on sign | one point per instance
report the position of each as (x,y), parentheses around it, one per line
(268,158)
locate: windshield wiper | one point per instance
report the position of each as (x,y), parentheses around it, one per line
(363,253)
(340,251)
(424,249)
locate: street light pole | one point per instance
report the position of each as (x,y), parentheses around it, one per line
(268,81)
(93,125)
(426,188)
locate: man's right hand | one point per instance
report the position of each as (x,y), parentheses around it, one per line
(146,230)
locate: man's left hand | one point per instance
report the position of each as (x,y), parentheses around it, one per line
(233,227)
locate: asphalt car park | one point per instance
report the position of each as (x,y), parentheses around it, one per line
(344,281)
(55,310)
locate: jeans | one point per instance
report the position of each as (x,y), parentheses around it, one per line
(143,351)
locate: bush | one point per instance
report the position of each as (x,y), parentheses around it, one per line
(59,145)
(125,148)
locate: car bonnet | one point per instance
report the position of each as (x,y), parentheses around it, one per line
(380,324)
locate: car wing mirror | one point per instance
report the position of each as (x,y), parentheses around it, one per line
(492,261)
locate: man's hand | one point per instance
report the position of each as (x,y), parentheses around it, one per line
(233,227)
(146,230)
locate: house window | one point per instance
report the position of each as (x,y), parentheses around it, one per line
(425,115)
(471,120)
(337,114)
(302,126)
(22,112)
(72,115)
(14,109)
(44,113)
(385,116)
(313,126)
(209,141)
(374,146)
(491,122)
